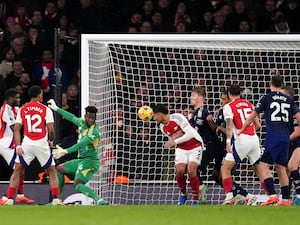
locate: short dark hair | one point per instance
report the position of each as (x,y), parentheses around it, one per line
(160,108)
(11,93)
(34,91)
(91,109)
(277,81)
(234,90)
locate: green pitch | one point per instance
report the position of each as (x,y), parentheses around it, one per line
(148,215)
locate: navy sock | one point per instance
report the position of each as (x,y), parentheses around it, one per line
(269,182)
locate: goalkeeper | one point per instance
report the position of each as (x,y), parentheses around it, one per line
(87,162)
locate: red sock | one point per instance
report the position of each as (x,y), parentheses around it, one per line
(10,192)
(181,182)
(263,185)
(55,192)
(194,182)
(227,184)
(21,186)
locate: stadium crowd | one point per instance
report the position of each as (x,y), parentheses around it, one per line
(27,43)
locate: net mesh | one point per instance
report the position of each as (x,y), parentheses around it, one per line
(125,75)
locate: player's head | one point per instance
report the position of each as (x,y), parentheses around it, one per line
(276,81)
(159,111)
(90,115)
(12,97)
(224,98)
(197,96)
(35,93)
(234,90)
(289,91)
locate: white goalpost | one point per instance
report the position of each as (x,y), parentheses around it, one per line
(121,72)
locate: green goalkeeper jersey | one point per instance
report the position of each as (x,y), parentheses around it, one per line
(88,140)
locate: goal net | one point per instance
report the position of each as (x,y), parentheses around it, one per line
(121,73)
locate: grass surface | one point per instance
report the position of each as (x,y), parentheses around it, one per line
(152,215)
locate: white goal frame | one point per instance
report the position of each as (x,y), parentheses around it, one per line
(245,41)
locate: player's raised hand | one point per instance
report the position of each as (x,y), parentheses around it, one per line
(52,105)
(58,152)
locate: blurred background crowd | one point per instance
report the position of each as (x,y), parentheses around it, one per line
(27,35)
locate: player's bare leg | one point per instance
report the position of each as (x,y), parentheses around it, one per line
(294,173)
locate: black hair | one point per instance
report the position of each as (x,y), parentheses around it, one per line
(277,81)
(234,89)
(34,91)
(91,109)
(160,108)
(11,93)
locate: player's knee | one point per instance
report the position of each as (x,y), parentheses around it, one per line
(78,183)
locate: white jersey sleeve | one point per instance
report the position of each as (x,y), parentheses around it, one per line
(49,115)
(189,131)
(18,118)
(8,116)
(228,114)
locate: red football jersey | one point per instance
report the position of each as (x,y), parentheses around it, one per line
(239,110)
(34,116)
(174,129)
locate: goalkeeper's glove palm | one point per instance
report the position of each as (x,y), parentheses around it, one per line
(52,105)
(58,152)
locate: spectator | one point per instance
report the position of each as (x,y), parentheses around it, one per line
(146,27)
(3,41)
(281,26)
(18,45)
(265,16)
(34,45)
(238,14)
(37,21)
(25,83)
(165,9)
(88,19)
(158,23)
(180,27)
(43,74)
(13,78)
(219,20)
(147,9)
(244,26)
(62,8)
(292,14)
(182,15)
(10,26)
(132,29)
(206,22)
(63,22)
(6,63)
(71,57)
(21,15)
(136,20)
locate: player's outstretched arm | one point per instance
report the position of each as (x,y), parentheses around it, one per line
(67,115)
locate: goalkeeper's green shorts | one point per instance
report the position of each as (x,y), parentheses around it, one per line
(82,169)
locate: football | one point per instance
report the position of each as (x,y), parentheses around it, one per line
(145,113)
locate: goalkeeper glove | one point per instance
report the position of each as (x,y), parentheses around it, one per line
(58,152)
(52,105)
